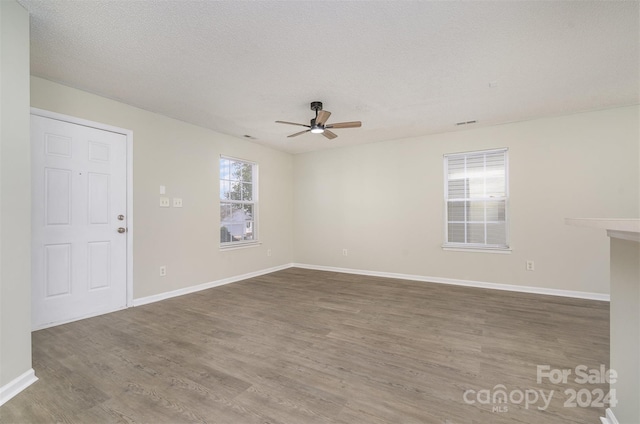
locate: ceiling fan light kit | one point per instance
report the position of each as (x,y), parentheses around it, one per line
(318,124)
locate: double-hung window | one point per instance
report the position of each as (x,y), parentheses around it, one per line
(238,202)
(476,200)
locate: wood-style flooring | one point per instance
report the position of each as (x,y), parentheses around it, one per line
(300,346)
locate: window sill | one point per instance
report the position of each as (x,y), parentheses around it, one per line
(238,246)
(501,251)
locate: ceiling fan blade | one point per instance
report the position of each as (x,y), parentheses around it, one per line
(292,123)
(323,115)
(298,133)
(353,124)
(330,135)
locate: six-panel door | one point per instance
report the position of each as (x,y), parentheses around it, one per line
(78,192)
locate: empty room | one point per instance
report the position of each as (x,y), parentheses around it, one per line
(295,212)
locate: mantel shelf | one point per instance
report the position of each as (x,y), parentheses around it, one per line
(627,229)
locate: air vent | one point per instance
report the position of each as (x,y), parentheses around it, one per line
(466,122)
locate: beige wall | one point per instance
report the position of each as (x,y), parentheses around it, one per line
(15,190)
(184,158)
(384,201)
(381,201)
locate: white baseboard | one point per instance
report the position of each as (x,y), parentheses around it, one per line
(180,292)
(609,418)
(17,385)
(467,283)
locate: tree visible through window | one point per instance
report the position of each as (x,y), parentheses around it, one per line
(476,196)
(238,203)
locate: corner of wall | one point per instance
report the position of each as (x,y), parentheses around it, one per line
(15,189)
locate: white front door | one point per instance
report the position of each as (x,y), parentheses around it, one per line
(79,196)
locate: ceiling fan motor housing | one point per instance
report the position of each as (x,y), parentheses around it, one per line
(316,106)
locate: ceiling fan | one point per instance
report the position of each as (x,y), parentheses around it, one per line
(318,124)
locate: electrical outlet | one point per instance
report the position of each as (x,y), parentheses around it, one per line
(530,266)
(268,252)
(177,202)
(163,271)
(164,202)
(345,252)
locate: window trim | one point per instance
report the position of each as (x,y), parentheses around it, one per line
(476,247)
(499,250)
(255,185)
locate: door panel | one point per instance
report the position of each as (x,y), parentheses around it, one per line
(57,278)
(99,265)
(78,190)
(99,197)
(57,196)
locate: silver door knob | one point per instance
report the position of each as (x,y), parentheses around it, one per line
(121,230)
(120,217)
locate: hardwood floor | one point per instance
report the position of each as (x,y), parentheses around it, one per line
(300,346)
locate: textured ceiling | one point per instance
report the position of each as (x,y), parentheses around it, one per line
(404,68)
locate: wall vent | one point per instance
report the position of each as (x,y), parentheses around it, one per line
(466,122)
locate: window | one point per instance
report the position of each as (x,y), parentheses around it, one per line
(238,202)
(476,198)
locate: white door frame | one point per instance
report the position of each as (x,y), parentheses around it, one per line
(129,135)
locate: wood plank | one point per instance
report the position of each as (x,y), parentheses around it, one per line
(304,346)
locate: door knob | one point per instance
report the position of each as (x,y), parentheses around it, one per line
(120,217)
(121,230)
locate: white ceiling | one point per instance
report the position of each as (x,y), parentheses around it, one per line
(404,68)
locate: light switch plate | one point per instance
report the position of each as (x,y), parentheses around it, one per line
(163,190)
(177,202)
(164,202)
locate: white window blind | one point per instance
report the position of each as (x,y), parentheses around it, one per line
(476,199)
